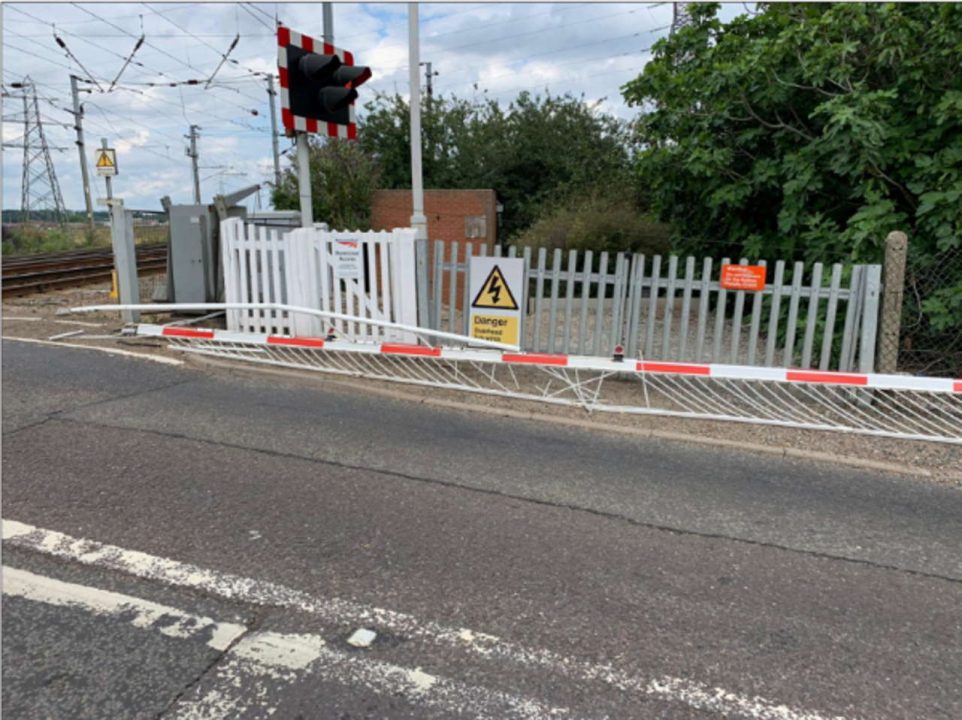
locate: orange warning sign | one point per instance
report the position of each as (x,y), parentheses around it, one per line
(743,277)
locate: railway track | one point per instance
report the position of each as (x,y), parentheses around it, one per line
(26,274)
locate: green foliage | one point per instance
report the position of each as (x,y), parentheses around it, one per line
(808,131)
(343,177)
(30,239)
(535,151)
(598,224)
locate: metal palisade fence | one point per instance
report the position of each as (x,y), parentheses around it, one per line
(674,309)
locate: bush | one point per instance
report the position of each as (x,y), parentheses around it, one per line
(597,224)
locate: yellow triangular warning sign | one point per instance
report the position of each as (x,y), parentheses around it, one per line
(495,293)
(104,160)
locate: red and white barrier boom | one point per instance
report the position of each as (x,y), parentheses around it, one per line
(901,406)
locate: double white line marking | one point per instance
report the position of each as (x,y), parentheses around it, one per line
(266,654)
(257,664)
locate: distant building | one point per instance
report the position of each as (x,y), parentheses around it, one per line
(465,217)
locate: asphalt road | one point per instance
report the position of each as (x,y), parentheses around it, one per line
(183,544)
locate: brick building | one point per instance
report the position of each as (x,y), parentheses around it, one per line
(458,217)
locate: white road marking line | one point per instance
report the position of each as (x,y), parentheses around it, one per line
(139,613)
(694,694)
(78,322)
(111,351)
(21,319)
(267,661)
(261,661)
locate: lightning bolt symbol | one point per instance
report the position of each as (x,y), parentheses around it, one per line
(494,290)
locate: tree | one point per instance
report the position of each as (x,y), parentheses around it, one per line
(807,130)
(343,177)
(534,152)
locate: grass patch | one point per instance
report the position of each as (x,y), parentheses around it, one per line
(35,238)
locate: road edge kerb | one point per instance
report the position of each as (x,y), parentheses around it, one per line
(586,423)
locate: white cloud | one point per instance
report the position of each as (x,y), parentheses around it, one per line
(502,47)
(138,139)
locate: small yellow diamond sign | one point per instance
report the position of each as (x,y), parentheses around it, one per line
(106,162)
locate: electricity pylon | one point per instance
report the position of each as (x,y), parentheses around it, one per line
(40,189)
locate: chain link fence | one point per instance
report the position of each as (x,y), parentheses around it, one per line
(930,341)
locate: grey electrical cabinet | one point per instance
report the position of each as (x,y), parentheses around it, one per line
(194,267)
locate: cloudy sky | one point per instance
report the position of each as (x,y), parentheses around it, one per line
(477,49)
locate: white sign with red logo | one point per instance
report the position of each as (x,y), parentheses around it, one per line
(347,259)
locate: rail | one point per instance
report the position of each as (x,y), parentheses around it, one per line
(27,274)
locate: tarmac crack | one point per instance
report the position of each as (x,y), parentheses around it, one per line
(260,614)
(58,414)
(520,498)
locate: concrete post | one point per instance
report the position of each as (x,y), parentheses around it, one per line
(125,258)
(896,251)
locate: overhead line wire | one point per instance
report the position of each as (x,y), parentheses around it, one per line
(156,36)
(161,50)
(41,57)
(127,62)
(84,38)
(87,22)
(207,44)
(245,9)
(114,25)
(255,6)
(150,70)
(123,117)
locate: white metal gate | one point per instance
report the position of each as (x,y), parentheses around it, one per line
(297,267)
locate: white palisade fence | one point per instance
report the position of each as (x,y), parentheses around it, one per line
(298,267)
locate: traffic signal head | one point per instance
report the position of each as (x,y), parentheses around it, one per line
(318,89)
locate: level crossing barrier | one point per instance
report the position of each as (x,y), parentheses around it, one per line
(898,406)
